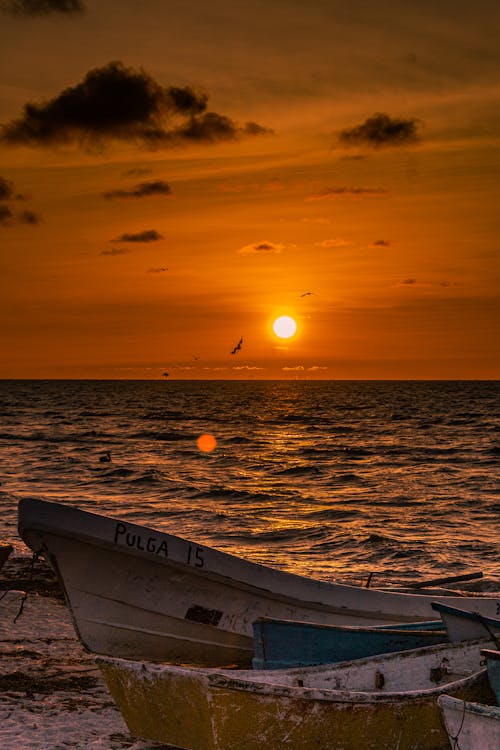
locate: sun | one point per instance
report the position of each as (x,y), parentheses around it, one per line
(285,327)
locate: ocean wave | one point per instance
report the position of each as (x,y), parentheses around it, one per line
(168,437)
(120,472)
(239,440)
(298,471)
(332,514)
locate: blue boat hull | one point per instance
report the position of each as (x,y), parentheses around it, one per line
(280,644)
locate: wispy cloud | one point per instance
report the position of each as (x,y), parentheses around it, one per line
(333,242)
(382,130)
(261,248)
(116,251)
(249,368)
(255,187)
(8,214)
(148,235)
(336,192)
(42,7)
(316,220)
(301,368)
(137,172)
(116,102)
(142,190)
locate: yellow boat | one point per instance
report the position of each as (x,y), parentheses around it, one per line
(377,703)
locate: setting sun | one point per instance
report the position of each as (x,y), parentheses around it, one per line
(284,327)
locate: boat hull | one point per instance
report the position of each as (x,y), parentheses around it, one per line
(137,592)
(279,644)
(470,726)
(461,625)
(219,710)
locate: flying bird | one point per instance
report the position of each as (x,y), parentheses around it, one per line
(238,346)
(306,294)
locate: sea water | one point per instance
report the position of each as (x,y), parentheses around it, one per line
(334,480)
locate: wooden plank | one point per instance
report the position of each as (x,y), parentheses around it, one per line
(448,579)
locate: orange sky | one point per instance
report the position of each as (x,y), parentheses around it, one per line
(139,235)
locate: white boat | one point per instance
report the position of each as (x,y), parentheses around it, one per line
(470,726)
(376,703)
(140,593)
(462,625)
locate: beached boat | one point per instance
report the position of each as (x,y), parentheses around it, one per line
(462,625)
(474,726)
(470,726)
(140,593)
(281,644)
(377,703)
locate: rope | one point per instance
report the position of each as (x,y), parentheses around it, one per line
(454,738)
(33,560)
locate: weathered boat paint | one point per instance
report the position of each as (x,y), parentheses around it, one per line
(378,703)
(461,624)
(140,593)
(470,726)
(493,666)
(279,644)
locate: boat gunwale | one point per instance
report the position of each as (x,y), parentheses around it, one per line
(479,709)
(343,695)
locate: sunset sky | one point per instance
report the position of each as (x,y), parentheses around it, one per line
(174,175)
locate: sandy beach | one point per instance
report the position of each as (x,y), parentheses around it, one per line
(52,696)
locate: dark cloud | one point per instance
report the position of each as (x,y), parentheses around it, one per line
(6,190)
(148,235)
(42,7)
(157,270)
(29,217)
(335,192)
(6,214)
(142,190)
(381,130)
(409,282)
(380,243)
(119,103)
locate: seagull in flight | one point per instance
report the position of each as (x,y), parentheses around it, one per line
(238,346)
(306,294)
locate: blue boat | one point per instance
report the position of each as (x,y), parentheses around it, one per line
(462,625)
(280,644)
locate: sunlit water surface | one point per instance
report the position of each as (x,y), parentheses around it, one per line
(333,480)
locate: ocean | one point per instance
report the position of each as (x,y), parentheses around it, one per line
(331,479)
